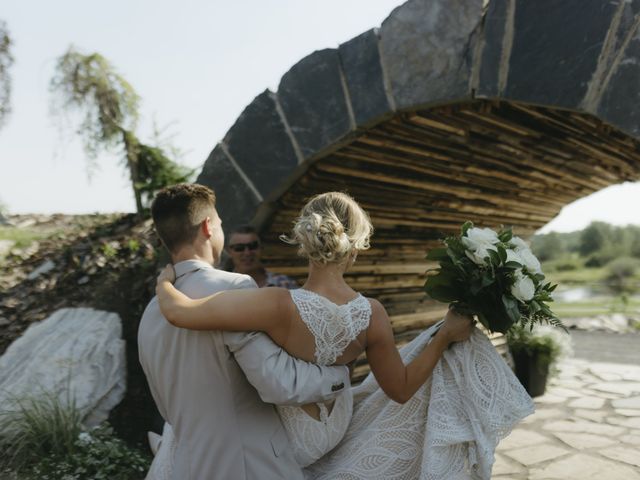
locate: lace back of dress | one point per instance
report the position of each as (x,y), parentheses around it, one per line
(333,326)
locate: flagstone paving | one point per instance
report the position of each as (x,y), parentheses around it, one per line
(586,426)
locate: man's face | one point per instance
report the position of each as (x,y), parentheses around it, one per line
(245,251)
(217,236)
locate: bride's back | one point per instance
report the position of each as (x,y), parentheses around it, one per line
(328,318)
(325,331)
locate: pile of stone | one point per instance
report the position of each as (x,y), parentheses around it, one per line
(104,262)
(615,322)
(72,261)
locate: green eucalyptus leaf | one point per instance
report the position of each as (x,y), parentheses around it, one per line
(511,307)
(437,254)
(502,253)
(505,235)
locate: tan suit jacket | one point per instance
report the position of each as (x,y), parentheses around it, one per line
(223,428)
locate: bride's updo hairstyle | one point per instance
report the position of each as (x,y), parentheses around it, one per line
(330,227)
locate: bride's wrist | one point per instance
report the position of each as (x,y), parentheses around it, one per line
(441,340)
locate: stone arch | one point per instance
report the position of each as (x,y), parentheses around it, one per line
(501,112)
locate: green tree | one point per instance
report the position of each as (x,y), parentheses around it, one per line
(594,238)
(154,169)
(6,60)
(108,104)
(635,241)
(548,247)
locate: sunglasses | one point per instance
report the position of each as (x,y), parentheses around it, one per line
(239,247)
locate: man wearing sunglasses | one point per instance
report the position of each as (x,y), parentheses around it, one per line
(245,250)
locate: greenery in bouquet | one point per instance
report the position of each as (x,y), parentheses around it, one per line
(494,276)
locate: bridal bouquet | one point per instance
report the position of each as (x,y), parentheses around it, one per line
(492,275)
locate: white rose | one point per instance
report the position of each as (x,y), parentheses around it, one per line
(519,244)
(478,242)
(530,261)
(512,256)
(481,236)
(523,288)
(478,256)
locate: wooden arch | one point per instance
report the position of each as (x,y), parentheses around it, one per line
(452,110)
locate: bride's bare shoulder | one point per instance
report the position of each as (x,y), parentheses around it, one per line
(378,313)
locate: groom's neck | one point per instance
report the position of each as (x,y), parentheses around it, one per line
(190,252)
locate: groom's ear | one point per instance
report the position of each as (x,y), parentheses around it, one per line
(206,228)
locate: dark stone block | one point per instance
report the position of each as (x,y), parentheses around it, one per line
(555,49)
(235,201)
(427,50)
(313,100)
(620,100)
(619,33)
(495,23)
(360,58)
(260,145)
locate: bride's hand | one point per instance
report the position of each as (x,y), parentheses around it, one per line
(457,327)
(167,274)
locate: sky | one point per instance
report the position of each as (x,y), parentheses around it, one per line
(196,64)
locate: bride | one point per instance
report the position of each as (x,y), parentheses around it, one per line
(327,322)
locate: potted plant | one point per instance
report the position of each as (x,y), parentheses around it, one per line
(535,351)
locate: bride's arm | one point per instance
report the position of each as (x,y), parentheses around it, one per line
(236,310)
(398,381)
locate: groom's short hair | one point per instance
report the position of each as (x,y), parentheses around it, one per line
(179,210)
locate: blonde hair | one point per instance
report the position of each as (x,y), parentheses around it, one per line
(330,227)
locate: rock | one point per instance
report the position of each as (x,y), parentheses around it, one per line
(75,351)
(43,268)
(553,60)
(27,222)
(259,143)
(426,51)
(314,102)
(617,322)
(360,59)
(236,199)
(6,246)
(494,65)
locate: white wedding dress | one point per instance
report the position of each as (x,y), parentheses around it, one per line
(447,431)
(333,327)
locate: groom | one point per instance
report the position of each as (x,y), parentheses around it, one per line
(216,388)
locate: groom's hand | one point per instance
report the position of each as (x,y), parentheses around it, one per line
(456,327)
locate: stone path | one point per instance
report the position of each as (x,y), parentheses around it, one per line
(586,426)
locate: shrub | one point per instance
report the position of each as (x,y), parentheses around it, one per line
(547,343)
(43,438)
(35,427)
(620,273)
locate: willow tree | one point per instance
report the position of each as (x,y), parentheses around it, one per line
(108,106)
(6,60)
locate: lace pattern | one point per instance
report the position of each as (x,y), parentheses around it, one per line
(333,326)
(448,430)
(310,438)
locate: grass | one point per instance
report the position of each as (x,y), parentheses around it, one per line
(36,427)
(23,237)
(578,276)
(43,438)
(596,306)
